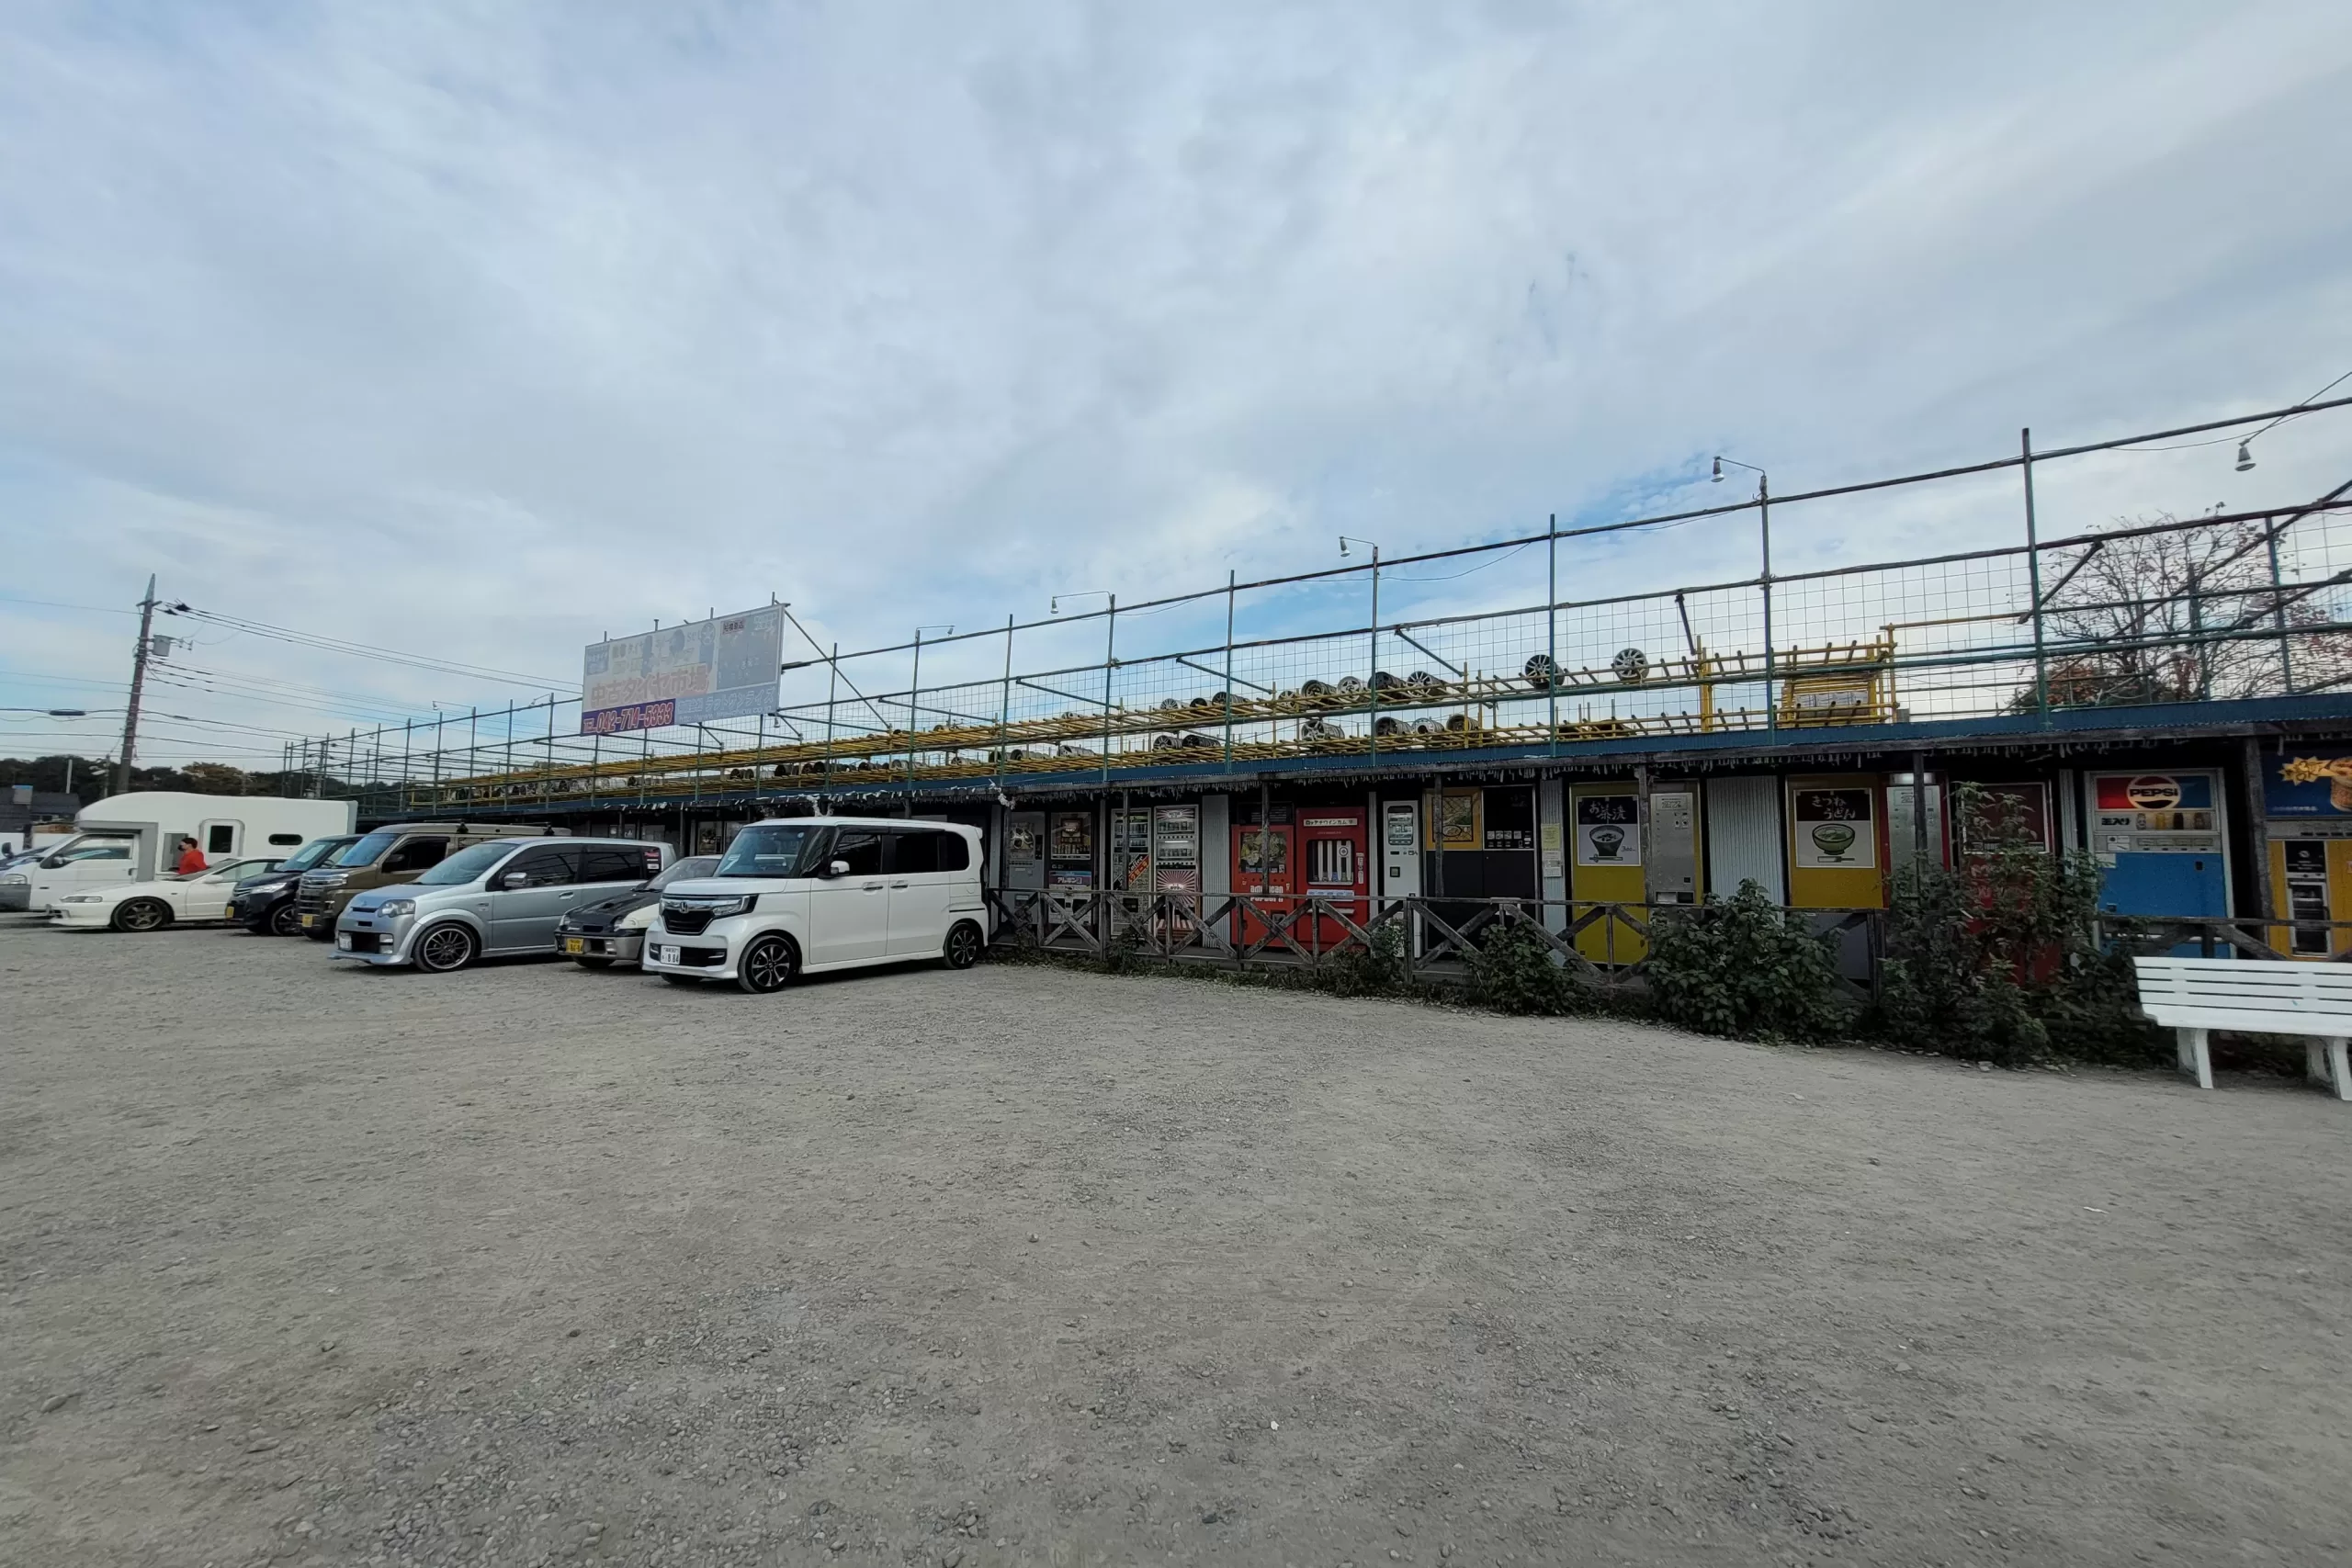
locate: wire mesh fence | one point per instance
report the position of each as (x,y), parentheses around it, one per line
(2225,606)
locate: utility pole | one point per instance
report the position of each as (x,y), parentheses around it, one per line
(137,684)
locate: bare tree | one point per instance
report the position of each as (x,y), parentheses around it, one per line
(2183,613)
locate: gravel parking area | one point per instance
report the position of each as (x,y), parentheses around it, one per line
(532,1264)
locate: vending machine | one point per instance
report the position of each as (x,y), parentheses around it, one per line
(1674,845)
(1606,868)
(2162,840)
(1335,859)
(2307,811)
(1130,851)
(1262,863)
(1070,851)
(1400,857)
(1837,843)
(1024,851)
(1176,849)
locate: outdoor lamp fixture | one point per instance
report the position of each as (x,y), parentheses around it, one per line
(2245,458)
(1717,476)
(53,713)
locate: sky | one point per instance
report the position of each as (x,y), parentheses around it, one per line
(477,331)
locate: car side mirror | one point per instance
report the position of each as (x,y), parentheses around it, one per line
(515,879)
(837,868)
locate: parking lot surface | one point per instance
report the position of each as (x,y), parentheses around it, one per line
(531,1264)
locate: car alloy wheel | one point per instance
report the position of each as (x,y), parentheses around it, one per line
(963,944)
(770,963)
(444,948)
(142,915)
(286,920)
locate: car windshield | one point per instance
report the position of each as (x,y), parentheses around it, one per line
(686,871)
(766,849)
(93,849)
(312,854)
(466,864)
(369,849)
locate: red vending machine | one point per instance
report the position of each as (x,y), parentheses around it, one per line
(1334,855)
(1261,869)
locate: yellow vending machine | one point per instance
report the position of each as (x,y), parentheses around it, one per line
(2307,811)
(1606,868)
(1837,843)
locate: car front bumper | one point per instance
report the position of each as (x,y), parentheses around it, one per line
(710,954)
(253,908)
(86,917)
(371,939)
(620,947)
(19,896)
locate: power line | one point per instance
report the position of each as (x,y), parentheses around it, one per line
(57,604)
(365,650)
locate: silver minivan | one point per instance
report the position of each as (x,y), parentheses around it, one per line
(491,900)
(802,895)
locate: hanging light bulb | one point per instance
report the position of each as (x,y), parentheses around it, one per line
(1719,471)
(2245,458)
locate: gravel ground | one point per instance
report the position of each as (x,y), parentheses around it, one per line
(532,1264)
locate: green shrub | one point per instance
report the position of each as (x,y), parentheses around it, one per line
(1742,967)
(1997,956)
(1513,969)
(1376,969)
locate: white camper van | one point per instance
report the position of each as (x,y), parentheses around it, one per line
(133,837)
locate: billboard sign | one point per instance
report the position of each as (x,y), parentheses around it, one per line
(694,674)
(2308,781)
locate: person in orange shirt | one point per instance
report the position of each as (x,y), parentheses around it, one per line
(191,858)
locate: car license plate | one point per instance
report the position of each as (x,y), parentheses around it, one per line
(342,941)
(309,920)
(665,955)
(229,912)
(573,944)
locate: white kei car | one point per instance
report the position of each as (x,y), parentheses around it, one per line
(152,906)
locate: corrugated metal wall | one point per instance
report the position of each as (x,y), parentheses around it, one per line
(1743,836)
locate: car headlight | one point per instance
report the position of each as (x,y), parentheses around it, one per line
(637,919)
(717,909)
(393,908)
(14,879)
(82,898)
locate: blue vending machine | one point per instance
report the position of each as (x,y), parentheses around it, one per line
(2163,840)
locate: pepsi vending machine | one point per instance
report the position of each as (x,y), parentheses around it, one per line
(2162,840)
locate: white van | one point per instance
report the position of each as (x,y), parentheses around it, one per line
(802,895)
(134,837)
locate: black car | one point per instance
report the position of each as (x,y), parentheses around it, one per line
(264,904)
(612,931)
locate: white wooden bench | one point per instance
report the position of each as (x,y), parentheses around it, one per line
(2191,996)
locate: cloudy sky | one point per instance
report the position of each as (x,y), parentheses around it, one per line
(476,330)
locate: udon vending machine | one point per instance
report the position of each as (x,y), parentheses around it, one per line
(2307,811)
(1837,843)
(2162,840)
(1606,868)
